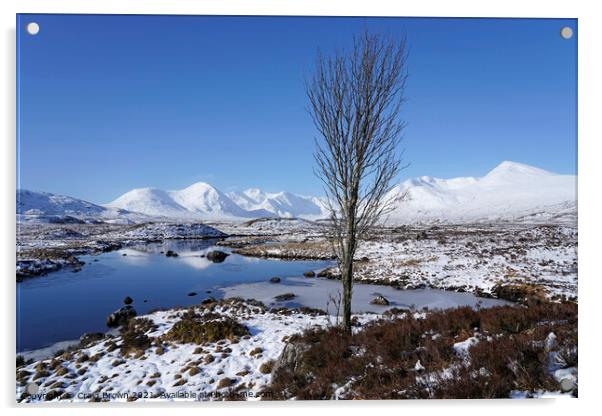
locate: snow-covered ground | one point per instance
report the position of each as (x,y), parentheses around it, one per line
(466,257)
(164,371)
(478,257)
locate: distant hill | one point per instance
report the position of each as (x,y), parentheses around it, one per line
(47,207)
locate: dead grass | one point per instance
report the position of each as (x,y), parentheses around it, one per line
(379,361)
(310,250)
(199,329)
(525,293)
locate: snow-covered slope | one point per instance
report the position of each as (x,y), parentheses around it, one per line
(511,191)
(281,204)
(47,207)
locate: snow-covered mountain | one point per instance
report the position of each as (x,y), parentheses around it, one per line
(47,207)
(511,191)
(281,204)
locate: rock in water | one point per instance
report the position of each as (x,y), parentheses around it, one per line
(284,296)
(217,256)
(309,274)
(121,316)
(380,300)
(275,279)
(128,301)
(171,254)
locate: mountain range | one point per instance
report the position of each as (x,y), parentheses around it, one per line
(511,191)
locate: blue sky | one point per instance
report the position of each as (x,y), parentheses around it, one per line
(111,103)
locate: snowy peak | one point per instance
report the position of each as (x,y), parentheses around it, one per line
(280,204)
(255,195)
(149,201)
(203,199)
(513,170)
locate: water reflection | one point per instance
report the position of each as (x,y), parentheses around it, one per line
(63,305)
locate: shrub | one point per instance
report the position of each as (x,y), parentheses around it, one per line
(134,339)
(255,351)
(22,376)
(40,374)
(118,362)
(266,368)
(198,330)
(224,382)
(378,362)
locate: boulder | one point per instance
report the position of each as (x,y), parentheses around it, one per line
(380,300)
(171,253)
(128,301)
(567,384)
(121,316)
(330,273)
(292,360)
(309,274)
(217,256)
(284,297)
(275,279)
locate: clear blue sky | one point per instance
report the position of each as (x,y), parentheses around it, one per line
(110,103)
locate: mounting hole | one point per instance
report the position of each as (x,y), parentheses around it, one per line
(33,28)
(566,32)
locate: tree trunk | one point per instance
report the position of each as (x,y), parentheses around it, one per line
(347,278)
(347,275)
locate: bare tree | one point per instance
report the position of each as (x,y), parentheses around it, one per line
(354,101)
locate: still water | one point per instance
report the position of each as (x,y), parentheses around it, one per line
(63,305)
